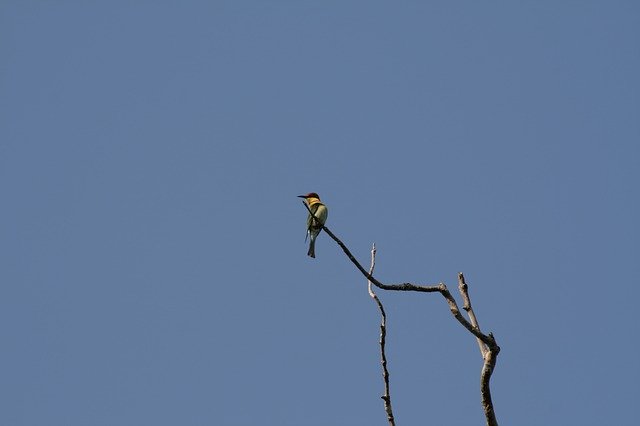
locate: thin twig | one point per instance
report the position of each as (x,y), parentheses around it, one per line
(464,292)
(383,334)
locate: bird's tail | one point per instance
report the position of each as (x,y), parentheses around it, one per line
(312,247)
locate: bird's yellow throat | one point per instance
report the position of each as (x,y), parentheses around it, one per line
(312,200)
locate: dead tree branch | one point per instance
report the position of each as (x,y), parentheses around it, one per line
(464,292)
(489,355)
(383,338)
(488,346)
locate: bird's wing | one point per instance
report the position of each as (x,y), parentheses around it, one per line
(321,213)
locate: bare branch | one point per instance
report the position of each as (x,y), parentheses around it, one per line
(440,288)
(490,358)
(383,334)
(464,291)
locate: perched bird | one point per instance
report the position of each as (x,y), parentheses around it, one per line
(314,225)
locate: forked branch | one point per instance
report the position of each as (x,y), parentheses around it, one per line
(489,349)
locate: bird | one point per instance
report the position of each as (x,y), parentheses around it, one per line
(314,225)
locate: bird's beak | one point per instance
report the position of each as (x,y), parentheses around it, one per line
(302,196)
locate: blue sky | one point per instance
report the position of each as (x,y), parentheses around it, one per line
(154,268)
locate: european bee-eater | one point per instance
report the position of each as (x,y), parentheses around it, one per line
(314,225)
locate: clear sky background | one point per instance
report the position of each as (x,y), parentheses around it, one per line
(153,264)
